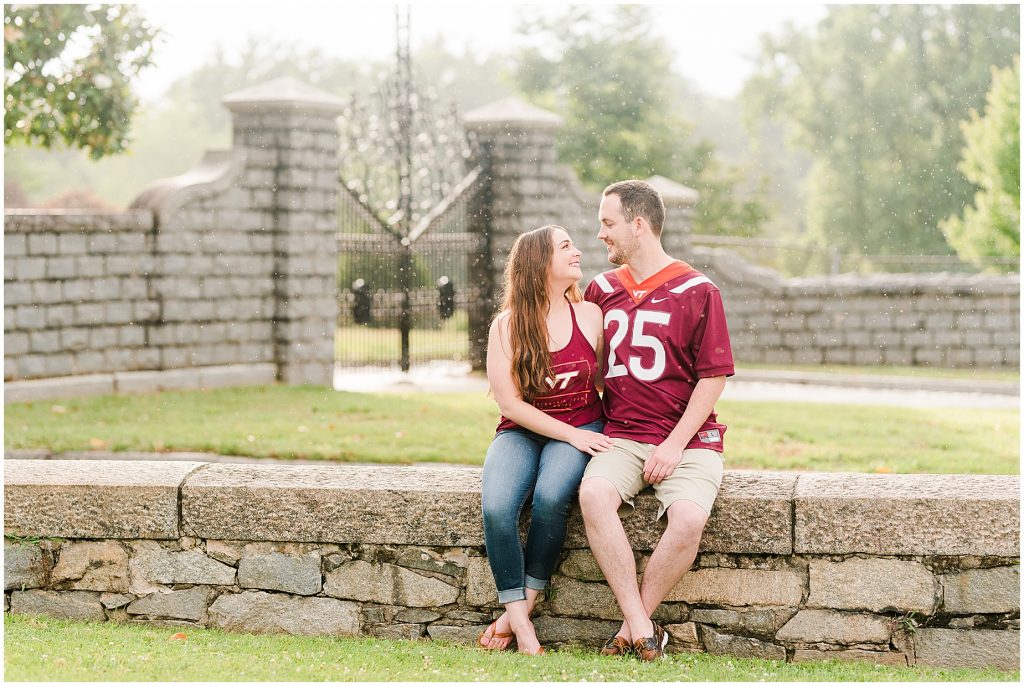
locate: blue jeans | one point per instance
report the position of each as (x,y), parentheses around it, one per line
(520,462)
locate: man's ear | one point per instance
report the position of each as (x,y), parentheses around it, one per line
(640,225)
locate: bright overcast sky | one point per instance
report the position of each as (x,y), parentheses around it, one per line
(713,41)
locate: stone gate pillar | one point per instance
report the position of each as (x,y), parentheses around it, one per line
(524,174)
(289,133)
(517,150)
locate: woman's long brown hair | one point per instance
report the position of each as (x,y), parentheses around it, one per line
(526,299)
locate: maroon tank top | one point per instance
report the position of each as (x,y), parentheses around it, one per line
(573,398)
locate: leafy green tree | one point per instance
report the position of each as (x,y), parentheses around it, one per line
(609,80)
(609,75)
(991,161)
(875,94)
(68,71)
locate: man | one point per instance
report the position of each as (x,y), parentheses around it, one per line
(668,355)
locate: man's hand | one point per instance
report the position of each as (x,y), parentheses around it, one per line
(666,457)
(662,462)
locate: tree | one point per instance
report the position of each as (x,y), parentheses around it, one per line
(609,75)
(171,133)
(875,94)
(991,161)
(68,71)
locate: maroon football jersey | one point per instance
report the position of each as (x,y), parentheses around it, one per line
(660,337)
(573,398)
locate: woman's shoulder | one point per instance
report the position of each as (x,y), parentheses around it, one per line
(500,321)
(588,309)
(589,316)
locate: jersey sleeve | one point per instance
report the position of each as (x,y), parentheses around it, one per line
(712,351)
(593,293)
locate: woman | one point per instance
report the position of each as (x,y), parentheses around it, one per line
(542,366)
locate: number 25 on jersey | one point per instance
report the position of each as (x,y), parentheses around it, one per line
(639,338)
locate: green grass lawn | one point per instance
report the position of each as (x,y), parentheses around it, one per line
(44,649)
(318,423)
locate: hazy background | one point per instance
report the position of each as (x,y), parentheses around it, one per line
(714,44)
(712,50)
(811,131)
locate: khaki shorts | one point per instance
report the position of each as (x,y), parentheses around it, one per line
(697,478)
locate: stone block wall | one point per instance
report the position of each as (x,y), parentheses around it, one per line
(932,320)
(213,265)
(79,296)
(893,569)
(232,263)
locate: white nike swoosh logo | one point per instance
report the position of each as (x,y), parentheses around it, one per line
(655,301)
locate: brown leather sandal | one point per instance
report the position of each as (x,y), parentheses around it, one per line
(492,632)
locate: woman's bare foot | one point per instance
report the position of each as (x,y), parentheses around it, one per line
(526,638)
(497,636)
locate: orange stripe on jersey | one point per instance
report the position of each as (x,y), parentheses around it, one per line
(639,291)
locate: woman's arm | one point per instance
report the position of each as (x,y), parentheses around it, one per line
(591,321)
(512,405)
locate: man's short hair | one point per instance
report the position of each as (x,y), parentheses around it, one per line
(640,199)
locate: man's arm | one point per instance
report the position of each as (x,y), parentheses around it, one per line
(665,457)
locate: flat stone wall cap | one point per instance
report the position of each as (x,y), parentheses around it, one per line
(753,513)
(511,112)
(907,514)
(285,93)
(425,505)
(93,498)
(436,505)
(73,220)
(671,191)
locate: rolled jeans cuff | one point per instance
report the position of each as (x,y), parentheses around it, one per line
(511,595)
(536,584)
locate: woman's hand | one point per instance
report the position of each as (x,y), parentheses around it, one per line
(589,441)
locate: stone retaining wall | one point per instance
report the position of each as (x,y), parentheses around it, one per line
(894,569)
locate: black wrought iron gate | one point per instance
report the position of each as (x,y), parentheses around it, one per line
(406,300)
(410,228)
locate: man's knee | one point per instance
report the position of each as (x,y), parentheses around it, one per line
(686,520)
(598,495)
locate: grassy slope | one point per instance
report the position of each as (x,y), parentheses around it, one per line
(316,423)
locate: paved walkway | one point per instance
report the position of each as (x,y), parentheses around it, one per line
(764,386)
